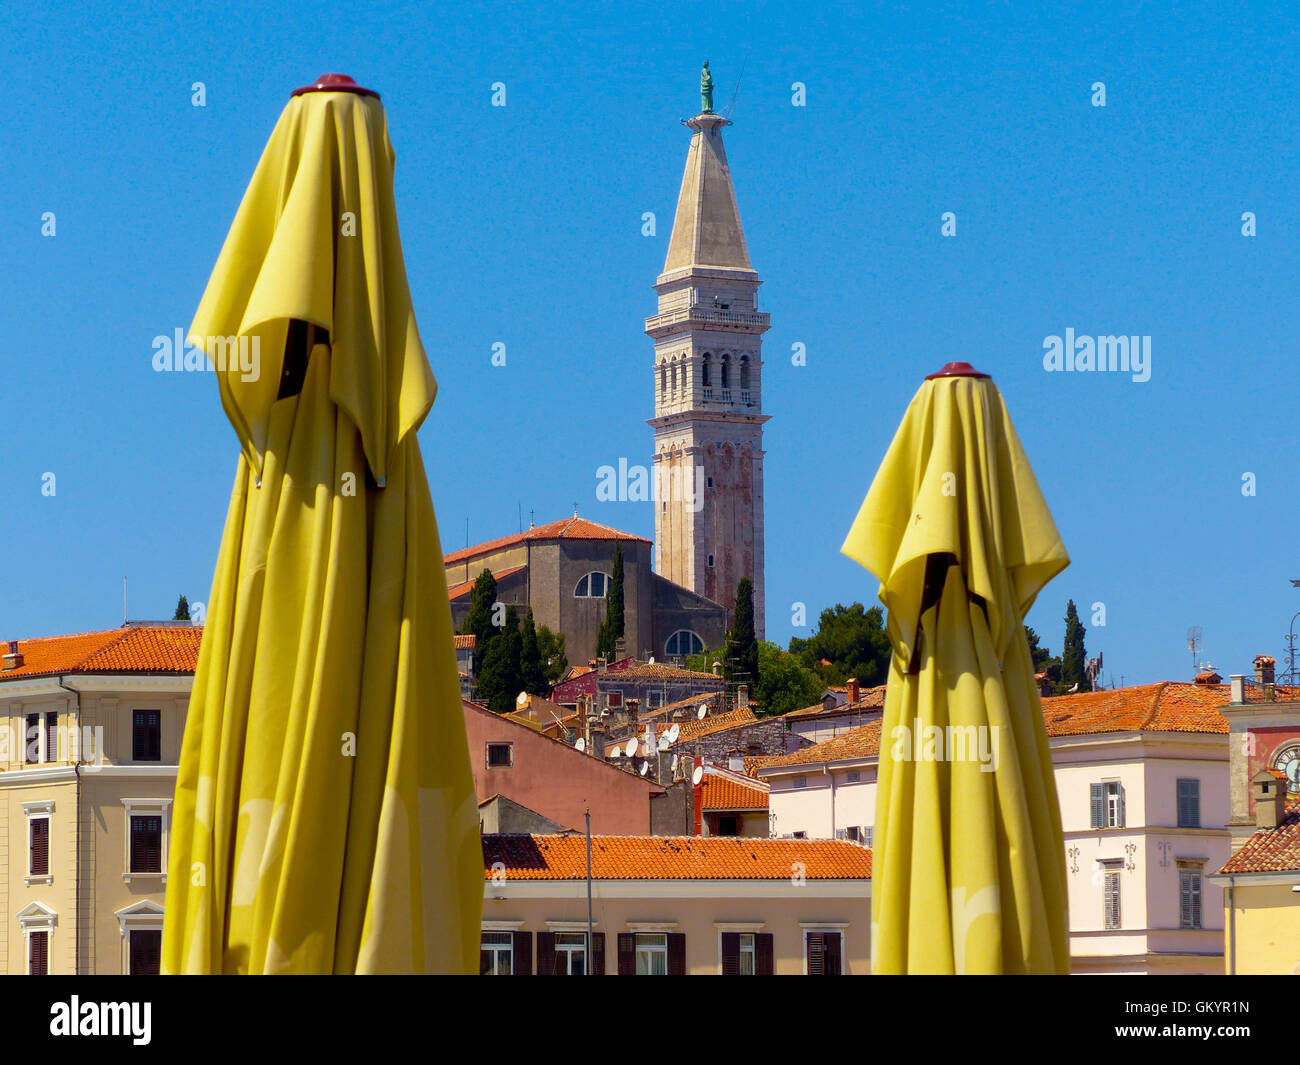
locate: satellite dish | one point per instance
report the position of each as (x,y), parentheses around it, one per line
(663,742)
(701,712)
(631,747)
(651,662)
(645,766)
(581,744)
(698,775)
(673,733)
(521,700)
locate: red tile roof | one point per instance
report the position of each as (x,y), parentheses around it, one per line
(1271,850)
(869,699)
(574,528)
(673,858)
(136,648)
(465,587)
(1169,706)
(695,729)
(637,670)
(726,791)
(861,742)
(465,642)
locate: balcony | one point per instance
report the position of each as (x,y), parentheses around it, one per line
(701,317)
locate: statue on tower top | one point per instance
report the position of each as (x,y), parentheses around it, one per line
(706,90)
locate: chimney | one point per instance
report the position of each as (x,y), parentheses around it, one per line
(855,693)
(603,664)
(1264,669)
(633,709)
(13,658)
(742,695)
(583,721)
(736,763)
(1269,788)
(717,667)
(1237,686)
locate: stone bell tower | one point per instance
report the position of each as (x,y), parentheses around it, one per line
(708,423)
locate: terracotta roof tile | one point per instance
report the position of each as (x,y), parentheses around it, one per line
(869,699)
(133,648)
(574,528)
(1271,850)
(465,587)
(1169,706)
(719,791)
(672,858)
(861,742)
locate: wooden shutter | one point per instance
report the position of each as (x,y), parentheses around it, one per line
(1098,794)
(764,962)
(38,953)
(1189,803)
(39,828)
(816,954)
(833,962)
(146,844)
(52,736)
(1112,900)
(32,739)
(547,962)
(146,951)
(523,944)
(626,954)
(597,953)
(1122,819)
(730,953)
(676,954)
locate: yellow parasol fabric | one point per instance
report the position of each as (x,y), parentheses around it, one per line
(325,818)
(969,864)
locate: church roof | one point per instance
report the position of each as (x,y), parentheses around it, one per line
(574,528)
(706,228)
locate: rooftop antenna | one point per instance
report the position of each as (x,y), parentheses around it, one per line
(1194,644)
(737,88)
(125,615)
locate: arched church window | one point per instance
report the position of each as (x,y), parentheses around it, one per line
(704,372)
(663,381)
(594,585)
(682,643)
(726,376)
(744,372)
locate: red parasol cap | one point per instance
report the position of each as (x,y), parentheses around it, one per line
(335,83)
(957,369)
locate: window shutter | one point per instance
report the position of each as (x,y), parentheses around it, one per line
(626,954)
(40,847)
(32,739)
(1098,805)
(523,944)
(52,736)
(597,953)
(676,954)
(763,960)
(1123,820)
(1184,901)
(832,959)
(1195,879)
(816,954)
(546,961)
(730,953)
(146,951)
(146,844)
(38,947)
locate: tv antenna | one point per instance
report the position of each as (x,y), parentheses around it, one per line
(1194,644)
(743,64)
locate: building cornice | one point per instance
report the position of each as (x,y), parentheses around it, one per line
(521,890)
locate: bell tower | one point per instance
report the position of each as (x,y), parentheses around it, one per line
(708,423)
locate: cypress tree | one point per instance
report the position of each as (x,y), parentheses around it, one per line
(501,678)
(612,627)
(182,610)
(478,622)
(1074,657)
(742,647)
(530,658)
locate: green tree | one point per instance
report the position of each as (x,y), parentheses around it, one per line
(742,660)
(478,622)
(550,650)
(1074,656)
(612,627)
(1044,661)
(530,658)
(182,610)
(853,640)
(784,683)
(501,679)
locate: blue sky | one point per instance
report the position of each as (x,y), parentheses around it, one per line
(522,225)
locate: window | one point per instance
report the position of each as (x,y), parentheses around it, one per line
(1189,805)
(146,736)
(146,843)
(854,833)
(33,738)
(652,954)
(704,376)
(38,861)
(500,755)
(746,954)
(594,585)
(683,643)
(52,736)
(822,953)
(854,776)
(799,782)
(496,954)
(1189,898)
(868,835)
(1111,913)
(144,951)
(798,835)
(1107,805)
(710,562)
(728,825)
(38,953)
(570,953)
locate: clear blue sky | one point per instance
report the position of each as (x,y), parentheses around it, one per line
(522,225)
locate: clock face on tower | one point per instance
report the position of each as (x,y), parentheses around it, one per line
(1288,761)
